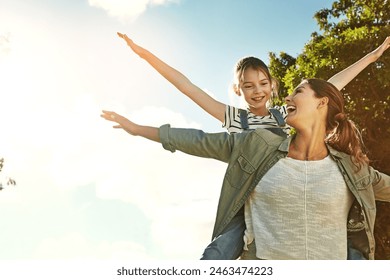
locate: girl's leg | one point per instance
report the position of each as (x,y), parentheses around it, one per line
(228,245)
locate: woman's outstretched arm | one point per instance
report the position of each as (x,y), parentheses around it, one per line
(190,141)
(341,79)
(180,81)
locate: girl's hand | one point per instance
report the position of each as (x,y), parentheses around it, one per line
(137,49)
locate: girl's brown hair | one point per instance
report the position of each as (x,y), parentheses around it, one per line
(342,133)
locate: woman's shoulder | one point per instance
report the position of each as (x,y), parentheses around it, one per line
(269,137)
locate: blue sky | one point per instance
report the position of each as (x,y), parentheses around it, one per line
(86,191)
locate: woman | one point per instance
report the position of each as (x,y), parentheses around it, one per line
(294,217)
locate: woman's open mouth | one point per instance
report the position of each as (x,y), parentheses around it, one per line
(290,109)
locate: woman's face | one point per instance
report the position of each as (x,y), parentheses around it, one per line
(303,107)
(256,89)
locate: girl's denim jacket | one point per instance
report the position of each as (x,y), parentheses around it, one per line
(251,154)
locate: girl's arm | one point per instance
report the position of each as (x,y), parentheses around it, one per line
(341,79)
(181,82)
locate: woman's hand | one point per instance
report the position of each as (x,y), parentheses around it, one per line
(148,132)
(121,121)
(377,53)
(342,78)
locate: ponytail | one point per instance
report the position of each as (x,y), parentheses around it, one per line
(347,138)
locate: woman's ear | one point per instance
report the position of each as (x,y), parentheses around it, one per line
(323,102)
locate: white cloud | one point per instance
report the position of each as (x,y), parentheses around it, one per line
(5,44)
(74,245)
(124,9)
(54,142)
(189,223)
(178,193)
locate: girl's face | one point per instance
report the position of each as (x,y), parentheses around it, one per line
(303,107)
(256,89)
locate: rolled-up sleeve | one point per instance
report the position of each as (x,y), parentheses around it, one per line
(164,138)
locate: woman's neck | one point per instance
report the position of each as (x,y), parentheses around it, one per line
(304,147)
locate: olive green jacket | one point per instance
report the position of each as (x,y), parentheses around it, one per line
(251,154)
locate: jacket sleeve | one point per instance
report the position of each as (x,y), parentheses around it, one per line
(381,185)
(198,143)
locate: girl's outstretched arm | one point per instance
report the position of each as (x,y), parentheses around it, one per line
(341,79)
(148,132)
(181,82)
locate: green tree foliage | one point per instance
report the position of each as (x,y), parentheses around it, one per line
(278,67)
(349,30)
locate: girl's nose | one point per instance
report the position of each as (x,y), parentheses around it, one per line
(257,88)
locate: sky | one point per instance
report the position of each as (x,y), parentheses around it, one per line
(85,190)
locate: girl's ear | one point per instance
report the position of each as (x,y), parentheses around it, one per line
(236,89)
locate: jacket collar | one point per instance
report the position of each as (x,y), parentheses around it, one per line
(283,147)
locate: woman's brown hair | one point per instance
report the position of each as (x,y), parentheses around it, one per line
(342,133)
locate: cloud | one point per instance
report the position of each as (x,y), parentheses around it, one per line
(5,44)
(74,245)
(177,193)
(125,10)
(55,143)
